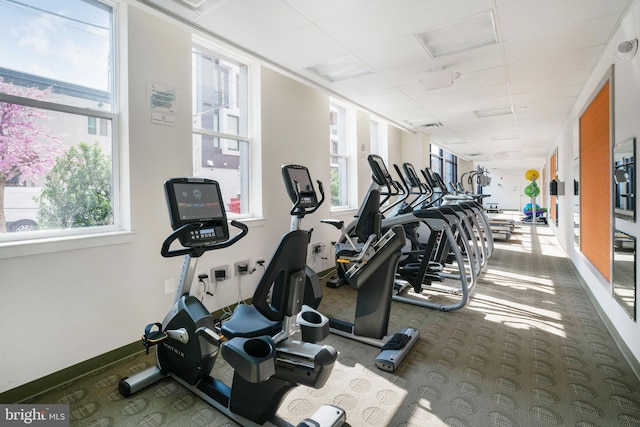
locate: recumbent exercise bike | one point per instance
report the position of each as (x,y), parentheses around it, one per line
(257,342)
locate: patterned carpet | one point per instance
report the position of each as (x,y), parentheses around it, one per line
(528,350)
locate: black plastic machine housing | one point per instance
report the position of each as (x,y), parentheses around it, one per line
(197,203)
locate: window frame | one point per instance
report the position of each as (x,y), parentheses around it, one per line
(444,160)
(92,125)
(382,142)
(47,241)
(250,140)
(349,155)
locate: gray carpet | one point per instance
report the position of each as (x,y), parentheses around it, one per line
(528,350)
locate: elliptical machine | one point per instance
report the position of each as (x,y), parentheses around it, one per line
(305,201)
(258,342)
(370,269)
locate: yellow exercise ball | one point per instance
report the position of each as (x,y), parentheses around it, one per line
(531,175)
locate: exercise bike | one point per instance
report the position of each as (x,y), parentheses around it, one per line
(257,342)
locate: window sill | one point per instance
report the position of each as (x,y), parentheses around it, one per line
(246,220)
(344,211)
(47,245)
(67,243)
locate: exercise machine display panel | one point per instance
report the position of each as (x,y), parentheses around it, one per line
(411,175)
(381,174)
(197,203)
(300,186)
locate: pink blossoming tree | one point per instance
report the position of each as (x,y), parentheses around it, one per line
(26,148)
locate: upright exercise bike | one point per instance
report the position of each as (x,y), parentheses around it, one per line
(258,341)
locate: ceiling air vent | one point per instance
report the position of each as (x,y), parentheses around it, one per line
(340,68)
(431,125)
(197,4)
(466,34)
(187,9)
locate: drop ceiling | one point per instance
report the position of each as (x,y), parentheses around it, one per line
(500,103)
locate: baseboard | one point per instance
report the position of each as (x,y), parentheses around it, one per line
(41,385)
(44,384)
(326,274)
(622,345)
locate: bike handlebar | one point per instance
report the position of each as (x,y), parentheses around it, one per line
(197,251)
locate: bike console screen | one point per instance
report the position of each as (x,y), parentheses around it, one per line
(197,202)
(299,186)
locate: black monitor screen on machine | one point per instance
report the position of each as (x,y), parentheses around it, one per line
(299,186)
(381,173)
(199,202)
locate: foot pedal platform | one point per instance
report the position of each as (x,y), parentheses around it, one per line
(326,416)
(151,337)
(335,282)
(396,349)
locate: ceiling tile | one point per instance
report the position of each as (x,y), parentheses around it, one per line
(317,10)
(251,23)
(547,51)
(586,34)
(584,59)
(522,18)
(293,48)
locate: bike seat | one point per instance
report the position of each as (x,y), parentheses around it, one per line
(248,322)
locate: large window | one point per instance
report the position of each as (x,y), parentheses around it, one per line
(221,131)
(340,153)
(444,164)
(378,139)
(58,147)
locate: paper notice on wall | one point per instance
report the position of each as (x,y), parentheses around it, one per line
(162,99)
(163,119)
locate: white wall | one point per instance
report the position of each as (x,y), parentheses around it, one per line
(626,106)
(70,306)
(507,189)
(465,166)
(295,129)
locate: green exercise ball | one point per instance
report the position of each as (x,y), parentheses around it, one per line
(531,190)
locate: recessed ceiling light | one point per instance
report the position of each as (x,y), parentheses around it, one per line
(504,111)
(438,79)
(340,68)
(466,34)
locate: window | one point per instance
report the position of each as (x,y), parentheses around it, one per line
(221,131)
(450,169)
(104,127)
(378,135)
(444,164)
(64,181)
(340,153)
(92,126)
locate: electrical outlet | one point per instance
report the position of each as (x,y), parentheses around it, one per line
(241,267)
(169,286)
(316,248)
(219,274)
